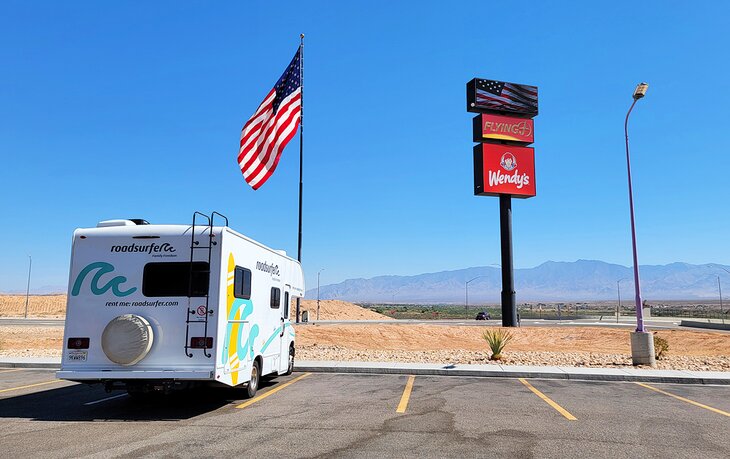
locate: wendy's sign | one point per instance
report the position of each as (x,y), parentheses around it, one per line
(497,127)
(504,170)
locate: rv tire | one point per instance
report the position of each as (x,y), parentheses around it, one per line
(253,383)
(290,367)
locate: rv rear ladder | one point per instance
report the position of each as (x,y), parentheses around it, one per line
(207,312)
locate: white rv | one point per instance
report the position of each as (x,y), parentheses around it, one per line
(155,307)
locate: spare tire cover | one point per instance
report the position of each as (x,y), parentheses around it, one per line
(127,339)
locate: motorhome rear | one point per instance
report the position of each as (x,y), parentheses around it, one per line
(153,307)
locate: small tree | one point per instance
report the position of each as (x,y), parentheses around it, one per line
(497,341)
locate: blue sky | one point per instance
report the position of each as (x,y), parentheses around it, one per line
(134,109)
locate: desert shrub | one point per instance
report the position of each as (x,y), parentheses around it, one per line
(497,341)
(661,346)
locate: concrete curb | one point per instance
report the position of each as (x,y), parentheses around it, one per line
(481,371)
(29,362)
(707,325)
(506,371)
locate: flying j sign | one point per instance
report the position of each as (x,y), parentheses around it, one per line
(488,126)
(504,169)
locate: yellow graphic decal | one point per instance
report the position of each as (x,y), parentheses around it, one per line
(232,344)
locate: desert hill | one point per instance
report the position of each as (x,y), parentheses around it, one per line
(336,310)
(55,306)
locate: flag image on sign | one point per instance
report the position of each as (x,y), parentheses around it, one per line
(498,96)
(272,126)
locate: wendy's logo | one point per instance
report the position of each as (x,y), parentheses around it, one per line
(508,162)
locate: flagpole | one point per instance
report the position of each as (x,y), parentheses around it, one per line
(301,153)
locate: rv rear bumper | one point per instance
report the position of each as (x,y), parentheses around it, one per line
(116,375)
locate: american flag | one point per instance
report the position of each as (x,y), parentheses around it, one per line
(272,126)
(510,97)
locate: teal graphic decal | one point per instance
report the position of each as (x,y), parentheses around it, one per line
(103,268)
(241,348)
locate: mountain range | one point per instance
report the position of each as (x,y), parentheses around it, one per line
(582,280)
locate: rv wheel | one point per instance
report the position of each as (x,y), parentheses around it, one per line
(253,383)
(290,368)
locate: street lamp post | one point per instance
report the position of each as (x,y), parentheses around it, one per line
(722,316)
(618,289)
(719,288)
(318,273)
(466,289)
(642,342)
(27,290)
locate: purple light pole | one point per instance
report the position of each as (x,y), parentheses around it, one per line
(639,92)
(642,342)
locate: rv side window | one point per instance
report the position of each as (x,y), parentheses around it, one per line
(173,279)
(286,305)
(242,283)
(275,297)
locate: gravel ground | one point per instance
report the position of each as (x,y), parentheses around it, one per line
(461,345)
(571,359)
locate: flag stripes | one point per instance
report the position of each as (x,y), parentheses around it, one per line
(498,95)
(272,126)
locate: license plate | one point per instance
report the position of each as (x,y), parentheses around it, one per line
(78,356)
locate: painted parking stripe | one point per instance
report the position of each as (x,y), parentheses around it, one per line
(406,395)
(547,400)
(724,413)
(105,399)
(272,391)
(30,385)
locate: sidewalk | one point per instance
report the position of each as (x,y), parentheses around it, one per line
(489,371)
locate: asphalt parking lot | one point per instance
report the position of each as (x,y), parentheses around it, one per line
(338,415)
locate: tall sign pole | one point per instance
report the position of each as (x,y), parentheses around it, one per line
(504,165)
(509,308)
(301,159)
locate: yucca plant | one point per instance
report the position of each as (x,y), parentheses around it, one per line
(497,340)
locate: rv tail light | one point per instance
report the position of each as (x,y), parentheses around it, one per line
(78,343)
(199,342)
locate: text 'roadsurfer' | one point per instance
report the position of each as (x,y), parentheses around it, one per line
(157,307)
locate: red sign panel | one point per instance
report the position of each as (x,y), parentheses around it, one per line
(488,126)
(504,169)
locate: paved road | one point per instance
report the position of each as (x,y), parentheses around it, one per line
(32,322)
(335,415)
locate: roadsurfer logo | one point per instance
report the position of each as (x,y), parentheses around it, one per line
(267,268)
(101,268)
(149,248)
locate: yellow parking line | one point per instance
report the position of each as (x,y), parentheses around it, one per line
(272,391)
(406,395)
(30,385)
(547,400)
(724,413)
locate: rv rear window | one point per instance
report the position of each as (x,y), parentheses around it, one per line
(242,283)
(173,279)
(275,297)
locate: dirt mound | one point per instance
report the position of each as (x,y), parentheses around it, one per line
(417,337)
(336,310)
(38,305)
